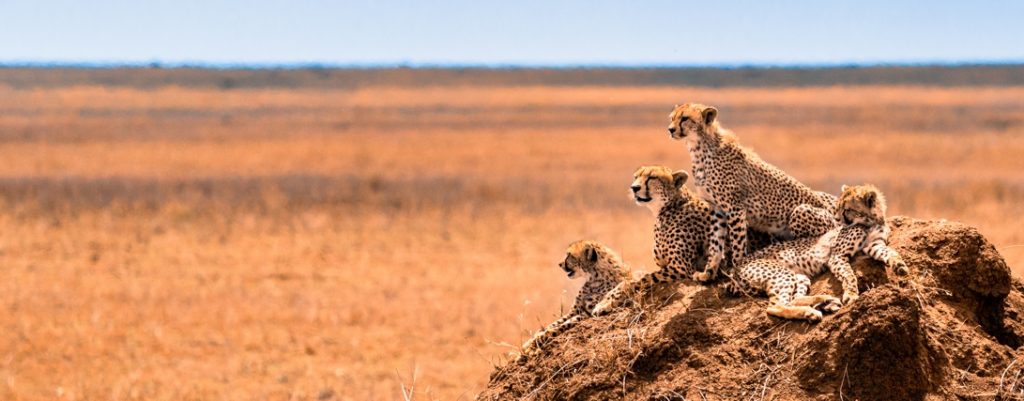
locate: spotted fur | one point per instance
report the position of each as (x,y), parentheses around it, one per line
(604,270)
(681,232)
(744,190)
(783,270)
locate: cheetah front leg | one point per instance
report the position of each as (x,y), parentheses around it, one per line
(614,298)
(625,289)
(841,268)
(736,219)
(880,251)
(717,239)
(809,221)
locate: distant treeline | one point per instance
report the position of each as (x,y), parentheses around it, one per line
(146,77)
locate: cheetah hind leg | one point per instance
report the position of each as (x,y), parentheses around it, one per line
(795,312)
(824,303)
(781,293)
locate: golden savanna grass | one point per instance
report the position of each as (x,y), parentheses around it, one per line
(193,243)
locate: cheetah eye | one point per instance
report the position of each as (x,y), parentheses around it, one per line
(684,119)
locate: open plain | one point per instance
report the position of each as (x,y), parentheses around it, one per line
(230,242)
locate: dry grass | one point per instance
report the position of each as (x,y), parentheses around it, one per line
(267,244)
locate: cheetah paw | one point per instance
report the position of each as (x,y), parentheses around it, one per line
(603,308)
(850,297)
(813,316)
(830,305)
(899,267)
(703,277)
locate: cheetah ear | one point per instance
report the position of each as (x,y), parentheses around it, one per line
(590,254)
(709,114)
(869,199)
(843,188)
(679,178)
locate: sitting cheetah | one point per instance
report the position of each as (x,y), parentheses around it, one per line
(680,234)
(604,269)
(783,270)
(744,190)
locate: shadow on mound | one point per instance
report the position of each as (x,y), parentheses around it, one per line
(950,331)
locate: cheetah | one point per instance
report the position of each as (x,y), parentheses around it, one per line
(681,232)
(783,270)
(744,190)
(604,270)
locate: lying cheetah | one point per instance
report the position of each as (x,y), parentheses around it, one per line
(744,190)
(783,270)
(680,234)
(864,205)
(604,269)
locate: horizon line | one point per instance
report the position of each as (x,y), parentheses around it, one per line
(93,64)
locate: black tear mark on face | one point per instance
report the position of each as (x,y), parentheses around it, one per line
(567,267)
(645,194)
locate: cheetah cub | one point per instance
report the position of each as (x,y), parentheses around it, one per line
(744,190)
(783,270)
(604,270)
(680,234)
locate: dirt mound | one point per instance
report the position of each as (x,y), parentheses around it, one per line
(949,331)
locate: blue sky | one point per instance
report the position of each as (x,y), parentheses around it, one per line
(512,32)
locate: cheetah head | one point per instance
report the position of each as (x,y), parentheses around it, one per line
(861,204)
(583,256)
(654,185)
(691,121)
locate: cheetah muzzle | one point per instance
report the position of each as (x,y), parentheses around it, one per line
(643,197)
(568,272)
